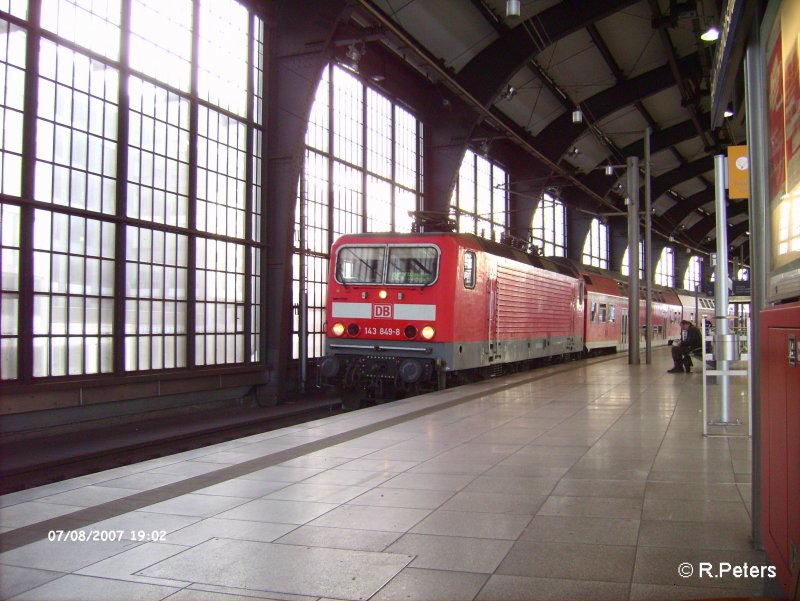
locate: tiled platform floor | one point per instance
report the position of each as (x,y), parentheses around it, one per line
(589,480)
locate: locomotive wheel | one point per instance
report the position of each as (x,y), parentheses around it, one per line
(352,398)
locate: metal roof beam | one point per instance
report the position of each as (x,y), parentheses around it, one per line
(561,133)
(677,214)
(703,228)
(683,173)
(486,74)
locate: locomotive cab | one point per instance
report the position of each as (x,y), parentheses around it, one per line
(382,327)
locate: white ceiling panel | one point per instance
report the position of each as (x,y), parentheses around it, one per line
(689,187)
(691,220)
(662,162)
(592,152)
(630,29)
(665,107)
(533,107)
(662,205)
(691,149)
(576,66)
(451,29)
(624,126)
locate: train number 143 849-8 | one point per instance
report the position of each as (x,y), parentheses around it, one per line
(370,331)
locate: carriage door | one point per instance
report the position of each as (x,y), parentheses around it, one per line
(491,337)
(623,330)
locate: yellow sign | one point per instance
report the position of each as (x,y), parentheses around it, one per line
(738,172)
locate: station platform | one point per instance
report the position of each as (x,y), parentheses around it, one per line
(588,480)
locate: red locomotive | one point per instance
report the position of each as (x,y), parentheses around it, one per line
(408,312)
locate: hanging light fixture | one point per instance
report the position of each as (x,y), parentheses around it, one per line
(728,112)
(609,170)
(512,8)
(577,116)
(509,92)
(354,55)
(710,35)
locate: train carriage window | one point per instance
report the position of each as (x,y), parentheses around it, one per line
(360,264)
(415,265)
(594,311)
(612,314)
(603,312)
(469,269)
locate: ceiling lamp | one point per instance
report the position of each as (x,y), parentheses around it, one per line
(710,35)
(577,116)
(609,169)
(354,55)
(728,112)
(509,92)
(512,8)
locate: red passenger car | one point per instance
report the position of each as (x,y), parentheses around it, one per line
(607,317)
(406,310)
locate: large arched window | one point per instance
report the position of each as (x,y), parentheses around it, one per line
(549,227)
(625,268)
(691,280)
(595,248)
(144,157)
(362,173)
(665,270)
(480,198)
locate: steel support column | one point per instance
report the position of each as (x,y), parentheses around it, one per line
(648,251)
(721,339)
(755,98)
(633,260)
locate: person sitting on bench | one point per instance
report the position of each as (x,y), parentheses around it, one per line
(691,340)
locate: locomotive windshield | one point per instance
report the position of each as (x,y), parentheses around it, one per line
(360,264)
(409,265)
(412,265)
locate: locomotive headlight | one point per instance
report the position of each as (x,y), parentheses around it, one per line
(383,294)
(428,332)
(337,329)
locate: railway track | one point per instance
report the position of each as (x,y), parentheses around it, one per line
(36,461)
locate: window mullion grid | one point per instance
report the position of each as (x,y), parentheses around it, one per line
(418,142)
(262,338)
(331,159)
(248,195)
(474,209)
(121,238)
(194,116)
(364,158)
(491,202)
(393,169)
(25,314)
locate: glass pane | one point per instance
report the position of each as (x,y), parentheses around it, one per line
(161,40)
(10,266)
(9,314)
(360,264)
(222,72)
(412,265)
(71,19)
(8,358)
(41,357)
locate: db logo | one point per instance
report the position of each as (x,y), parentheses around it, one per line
(382,311)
